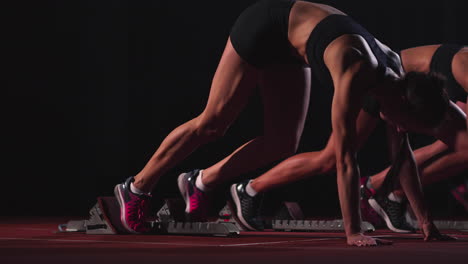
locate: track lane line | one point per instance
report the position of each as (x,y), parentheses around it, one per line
(277,242)
(165,243)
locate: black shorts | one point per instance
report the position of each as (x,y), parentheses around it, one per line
(260,34)
(442,63)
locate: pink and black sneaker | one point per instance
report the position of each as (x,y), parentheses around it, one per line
(197,202)
(134,208)
(367,212)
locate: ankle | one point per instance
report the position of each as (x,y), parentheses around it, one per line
(399,193)
(371,184)
(250,189)
(393,196)
(208,179)
(141,185)
(200,184)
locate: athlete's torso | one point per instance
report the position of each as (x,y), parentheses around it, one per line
(308,19)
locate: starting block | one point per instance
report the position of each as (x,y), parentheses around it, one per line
(104,218)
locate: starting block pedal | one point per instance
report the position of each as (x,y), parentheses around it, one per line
(104,218)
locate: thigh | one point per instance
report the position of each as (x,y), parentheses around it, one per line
(232,84)
(285,93)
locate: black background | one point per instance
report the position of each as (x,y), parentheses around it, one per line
(90,88)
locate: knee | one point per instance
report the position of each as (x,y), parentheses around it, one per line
(209,128)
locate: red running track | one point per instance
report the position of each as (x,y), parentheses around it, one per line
(36,240)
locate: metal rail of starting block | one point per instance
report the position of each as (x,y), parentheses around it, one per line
(452,225)
(316,225)
(441,224)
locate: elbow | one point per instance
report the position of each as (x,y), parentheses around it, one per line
(344,169)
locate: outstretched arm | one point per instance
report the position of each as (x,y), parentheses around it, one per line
(344,114)
(405,170)
(350,86)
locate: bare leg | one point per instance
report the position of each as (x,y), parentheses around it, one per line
(285,92)
(295,168)
(308,164)
(230,90)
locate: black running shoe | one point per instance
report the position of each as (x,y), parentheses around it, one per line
(247,208)
(392,212)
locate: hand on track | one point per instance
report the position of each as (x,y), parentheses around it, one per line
(431,233)
(361,240)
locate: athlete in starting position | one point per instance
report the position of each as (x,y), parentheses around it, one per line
(272,43)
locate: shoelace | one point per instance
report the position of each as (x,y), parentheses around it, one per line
(142,209)
(251,211)
(251,204)
(138,208)
(197,198)
(395,211)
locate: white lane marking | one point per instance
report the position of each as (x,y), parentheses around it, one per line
(40,229)
(278,242)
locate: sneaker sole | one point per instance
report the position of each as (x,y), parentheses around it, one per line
(373,203)
(237,208)
(181,182)
(118,194)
